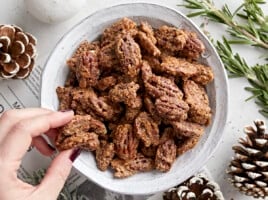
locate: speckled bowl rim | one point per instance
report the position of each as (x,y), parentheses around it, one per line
(149,182)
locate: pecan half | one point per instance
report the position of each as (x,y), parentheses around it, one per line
(104,155)
(171,38)
(187,129)
(170,108)
(193,48)
(129,55)
(125,141)
(158,86)
(147,40)
(81,132)
(125,25)
(84,47)
(83,123)
(87,70)
(178,67)
(120,170)
(128,168)
(196,97)
(165,155)
(82,140)
(124,92)
(146,129)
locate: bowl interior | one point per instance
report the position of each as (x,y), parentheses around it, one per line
(186,165)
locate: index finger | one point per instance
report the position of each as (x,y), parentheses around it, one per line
(20,136)
(11,117)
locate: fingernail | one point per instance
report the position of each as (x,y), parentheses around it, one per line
(75,154)
(51,147)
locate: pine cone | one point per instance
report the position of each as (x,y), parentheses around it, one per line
(17,52)
(197,187)
(249,167)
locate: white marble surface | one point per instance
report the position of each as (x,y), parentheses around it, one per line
(241,113)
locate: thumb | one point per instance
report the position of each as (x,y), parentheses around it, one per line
(56,175)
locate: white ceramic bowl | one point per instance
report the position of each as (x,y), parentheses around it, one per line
(186,165)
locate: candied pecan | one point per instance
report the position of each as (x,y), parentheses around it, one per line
(178,67)
(165,155)
(140,164)
(124,92)
(65,98)
(147,44)
(150,108)
(158,86)
(120,169)
(126,143)
(107,57)
(187,144)
(129,55)
(204,75)
(106,83)
(170,108)
(82,140)
(125,25)
(104,155)
(79,101)
(146,129)
(171,38)
(181,67)
(81,132)
(193,48)
(196,97)
(84,123)
(147,40)
(87,70)
(130,167)
(84,47)
(187,129)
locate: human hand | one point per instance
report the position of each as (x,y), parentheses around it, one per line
(18,130)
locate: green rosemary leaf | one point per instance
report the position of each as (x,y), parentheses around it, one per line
(196,14)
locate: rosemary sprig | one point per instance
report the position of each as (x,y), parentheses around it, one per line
(253,31)
(256,75)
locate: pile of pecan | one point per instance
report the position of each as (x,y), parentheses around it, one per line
(138,95)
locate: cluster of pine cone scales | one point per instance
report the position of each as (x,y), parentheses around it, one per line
(17,52)
(197,187)
(249,167)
